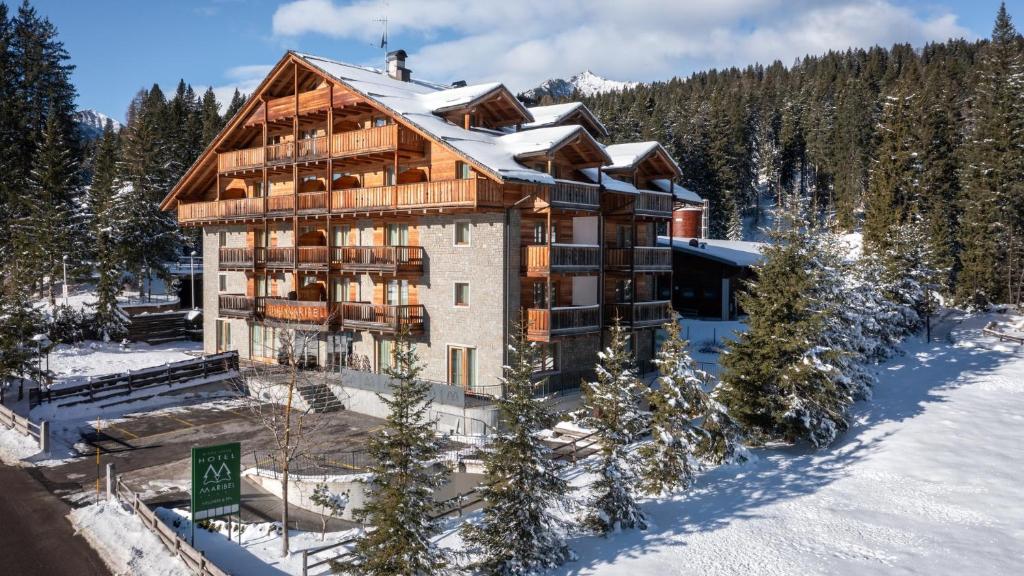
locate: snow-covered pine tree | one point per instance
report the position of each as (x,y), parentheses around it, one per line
(104,179)
(676,399)
(612,405)
(992,190)
(399,498)
(777,380)
(519,533)
(734,224)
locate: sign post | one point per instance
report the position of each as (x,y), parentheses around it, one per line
(216,482)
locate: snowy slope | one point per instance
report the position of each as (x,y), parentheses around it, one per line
(90,123)
(927,481)
(586,82)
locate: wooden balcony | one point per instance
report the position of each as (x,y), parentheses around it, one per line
(657,204)
(639,259)
(235,258)
(279,257)
(575,195)
(311,257)
(374,140)
(544,324)
(309,149)
(561,258)
(382,317)
(297,311)
(309,102)
(282,153)
(469,193)
(379,259)
(240,160)
(441,194)
(235,306)
(311,202)
(639,314)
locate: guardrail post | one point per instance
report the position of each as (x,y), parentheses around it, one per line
(305,563)
(111,480)
(44,436)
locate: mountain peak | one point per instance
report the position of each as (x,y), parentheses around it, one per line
(587,82)
(90,123)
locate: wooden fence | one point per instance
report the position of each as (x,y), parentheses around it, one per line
(223,364)
(176,545)
(40,432)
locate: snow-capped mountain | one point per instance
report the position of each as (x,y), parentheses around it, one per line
(90,123)
(586,82)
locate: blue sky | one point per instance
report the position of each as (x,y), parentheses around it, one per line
(120,46)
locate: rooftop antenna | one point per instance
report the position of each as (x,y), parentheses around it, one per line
(384,36)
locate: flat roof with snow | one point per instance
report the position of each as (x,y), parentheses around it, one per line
(732,252)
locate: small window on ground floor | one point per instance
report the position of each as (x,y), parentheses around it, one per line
(223,336)
(462,294)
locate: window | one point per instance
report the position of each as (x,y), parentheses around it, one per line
(389,176)
(397,235)
(540,294)
(222,283)
(259,238)
(385,355)
(261,286)
(462,366)
(463,171)
(398,293)
(339,235)
(540,235)
(257,189)
(308,279)
(378,122)
(462,293)
(547,357)
(223,336)
(222,239)
(624,291)
(462,234)
(624,237)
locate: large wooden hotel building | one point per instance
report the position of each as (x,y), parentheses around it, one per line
(365,202)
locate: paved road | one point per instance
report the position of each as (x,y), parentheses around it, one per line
(36,538)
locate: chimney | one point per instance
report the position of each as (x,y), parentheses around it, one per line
(396,66)
(459,84)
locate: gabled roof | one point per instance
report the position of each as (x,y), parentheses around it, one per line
(681,194)
(548,141)
(562,114)
(492,97)
(630,155)
(610,183)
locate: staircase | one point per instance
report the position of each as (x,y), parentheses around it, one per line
(319,397)
(157,328)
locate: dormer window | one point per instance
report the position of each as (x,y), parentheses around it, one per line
(378,122)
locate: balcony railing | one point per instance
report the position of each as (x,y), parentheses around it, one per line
(235,305)
(468,193)
(382,317)
(312,148)
(543,323)
(312,201)
(579,195)
(280,257)
(654,204)
(381,259)
(639,258)
(312,256)
(300,311)
(246,159)
(229,258)
(282,153)
(376,139)
(639,314)
(561,258)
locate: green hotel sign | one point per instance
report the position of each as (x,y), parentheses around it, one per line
(216,480)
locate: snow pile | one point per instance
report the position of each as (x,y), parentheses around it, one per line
(15,446)
(124,543)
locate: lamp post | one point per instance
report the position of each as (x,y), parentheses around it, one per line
(65,261)
(192,271)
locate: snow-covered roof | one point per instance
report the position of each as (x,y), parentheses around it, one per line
(556,113)
(455,97)
(608,182)
(416,101)
(681,193)
(539,140)
(731,252)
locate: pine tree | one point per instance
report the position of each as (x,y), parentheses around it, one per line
(678,398)
(612,403)
(211,120)
(399,502)
(992,187)
(777,381)
(237,101)
(519,533)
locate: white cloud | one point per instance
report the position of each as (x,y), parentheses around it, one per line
(526,41)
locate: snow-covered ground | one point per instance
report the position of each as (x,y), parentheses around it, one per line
(126,546)
(15,447)
(73,364)
(927,481)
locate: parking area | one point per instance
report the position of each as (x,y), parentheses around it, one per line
(151,450)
